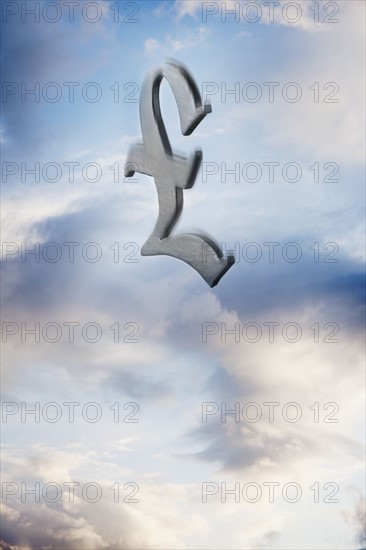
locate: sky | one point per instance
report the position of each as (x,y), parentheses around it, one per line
(168,414)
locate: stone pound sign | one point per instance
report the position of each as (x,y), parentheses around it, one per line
(172,173)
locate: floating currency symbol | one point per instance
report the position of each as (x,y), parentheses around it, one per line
(172,173)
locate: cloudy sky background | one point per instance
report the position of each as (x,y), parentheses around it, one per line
(170,372)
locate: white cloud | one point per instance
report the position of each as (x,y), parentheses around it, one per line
(327,130)
(151,45)
(187,7)
(242,34)
(189,40)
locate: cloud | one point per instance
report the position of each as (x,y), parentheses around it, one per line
(187,7)
(356,518)
(323,125)
(170,371)
(190,40)
(151,44)
(153,522)
(182,41)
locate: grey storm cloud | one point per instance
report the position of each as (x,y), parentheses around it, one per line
(269,288)
(40,286)
(223,384)
(359,520)
(238,446)
(137,387)
(66,530)
(249,289)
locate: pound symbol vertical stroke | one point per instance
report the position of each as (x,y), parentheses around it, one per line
(172,173)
